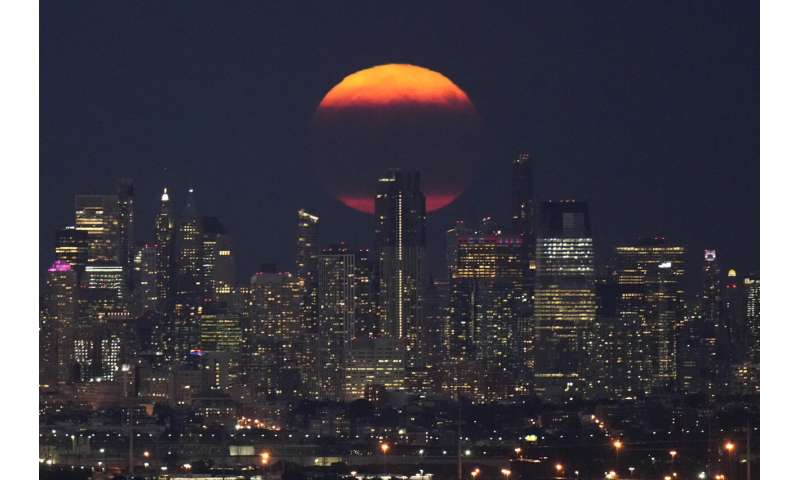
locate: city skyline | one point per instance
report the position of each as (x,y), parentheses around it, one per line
(497,242)
(688,167)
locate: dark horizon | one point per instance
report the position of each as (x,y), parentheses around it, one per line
(644,111)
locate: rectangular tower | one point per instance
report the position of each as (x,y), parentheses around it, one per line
(400,246)
(650,275)
(564,297)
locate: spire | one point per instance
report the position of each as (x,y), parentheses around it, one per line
(165,195)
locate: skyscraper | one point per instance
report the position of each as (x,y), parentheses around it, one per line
(564,297)
(58,317)
(400,246)
(145,266)
(366,292)
(275,354)
(189,278)
(163,330)
(72,246)
(522,202)
(488,314)
(650,275)
(98,216)
(218,267)
(699,334)
(451,243)
(306,263)
(189,248)
(125,232)
(106,276)
(165,243)
(336,287)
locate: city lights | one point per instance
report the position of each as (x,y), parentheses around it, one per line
(302,283)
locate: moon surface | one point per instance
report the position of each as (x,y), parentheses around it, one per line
(395,116)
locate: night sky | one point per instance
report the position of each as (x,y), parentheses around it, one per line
(647,110)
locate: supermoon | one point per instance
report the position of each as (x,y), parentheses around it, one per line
(395,116)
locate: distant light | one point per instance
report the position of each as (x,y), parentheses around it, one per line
(60,266)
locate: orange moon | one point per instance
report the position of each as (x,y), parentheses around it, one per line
(393,84)
(395,116)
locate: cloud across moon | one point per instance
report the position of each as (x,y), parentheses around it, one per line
(395,116)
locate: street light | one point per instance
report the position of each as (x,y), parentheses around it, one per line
(559,469)
(729,446)
(385,450)
(264,458)
(506,472)
(474,473)
(617,447)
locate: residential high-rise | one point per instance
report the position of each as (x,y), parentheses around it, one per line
(366,293)
(564,297)
(276,343)
(306,260)
(336,296)
(98,216)
(605,371)
(400,247)
(652,303)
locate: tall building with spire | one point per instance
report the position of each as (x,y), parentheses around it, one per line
(565,304)
(163,330)
(400,246)
(400,238)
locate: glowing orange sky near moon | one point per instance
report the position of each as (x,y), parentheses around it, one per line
(391,93)
(394,84)
(367,204)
